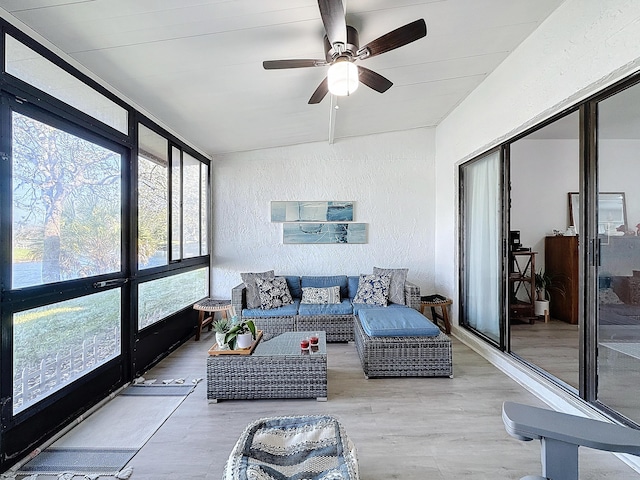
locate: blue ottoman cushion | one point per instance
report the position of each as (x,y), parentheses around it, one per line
(396,322)
(357,307)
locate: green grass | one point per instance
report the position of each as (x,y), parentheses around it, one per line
(45,331)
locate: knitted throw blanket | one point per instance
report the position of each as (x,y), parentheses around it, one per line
(293,448)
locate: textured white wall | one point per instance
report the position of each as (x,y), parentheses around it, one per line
(388,176)
(582,47)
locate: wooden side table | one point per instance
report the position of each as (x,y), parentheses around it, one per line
(435,301)
(207,308)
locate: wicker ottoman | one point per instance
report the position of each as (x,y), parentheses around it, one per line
(302,447)
(403,356)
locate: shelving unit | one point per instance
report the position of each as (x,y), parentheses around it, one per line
(522,286)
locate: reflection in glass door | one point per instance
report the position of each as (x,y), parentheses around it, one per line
(618,327)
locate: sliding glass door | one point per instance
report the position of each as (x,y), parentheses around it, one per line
(481,246)
(66,193)
(618,272)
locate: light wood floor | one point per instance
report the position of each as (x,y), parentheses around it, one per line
(408,428)
(552,346)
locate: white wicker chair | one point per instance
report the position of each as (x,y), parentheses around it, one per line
(278,448)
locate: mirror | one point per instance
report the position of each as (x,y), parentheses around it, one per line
(612,212)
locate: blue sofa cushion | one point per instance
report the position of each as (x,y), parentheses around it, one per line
(364,306)
(396,322)
(352,285)
(322,281)
(293,281)
(286,311)
(342,308)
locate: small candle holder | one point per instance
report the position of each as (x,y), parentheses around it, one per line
(304,344)
(313,340)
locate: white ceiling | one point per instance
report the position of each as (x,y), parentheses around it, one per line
(197,64)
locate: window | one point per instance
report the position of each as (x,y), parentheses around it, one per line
(66,205)
(176,204)
(31,67)
(189,205)
(157,299)
(153,198)
(204,209)
(56,344)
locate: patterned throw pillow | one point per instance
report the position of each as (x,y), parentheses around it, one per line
(373,290)
(274,293)
(320,295)
(396,287)
(253,296)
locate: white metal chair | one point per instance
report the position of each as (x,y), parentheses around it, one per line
(561,434)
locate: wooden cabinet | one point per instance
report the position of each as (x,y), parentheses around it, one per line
(561,263)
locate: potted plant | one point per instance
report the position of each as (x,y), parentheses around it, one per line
(241,334)
(221,327)
(544,284)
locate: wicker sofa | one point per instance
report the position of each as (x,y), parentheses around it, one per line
(336,320)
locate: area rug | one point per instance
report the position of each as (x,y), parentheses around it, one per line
(102,444)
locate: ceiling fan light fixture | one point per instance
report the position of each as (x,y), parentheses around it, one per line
(342,78)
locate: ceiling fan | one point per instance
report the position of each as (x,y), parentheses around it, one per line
(342,49)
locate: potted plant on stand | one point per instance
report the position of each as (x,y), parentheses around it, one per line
(241,335)
(545,283)
(222,327)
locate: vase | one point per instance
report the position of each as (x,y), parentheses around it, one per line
(244,340)
(541,306)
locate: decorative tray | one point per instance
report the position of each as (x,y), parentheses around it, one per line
(215,350)
(433,299)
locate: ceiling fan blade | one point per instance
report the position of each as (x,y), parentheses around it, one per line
(320,92)
(374,80)
(332,13)
(395,39)
(294,63)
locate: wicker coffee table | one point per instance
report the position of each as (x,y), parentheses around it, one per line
(277,368)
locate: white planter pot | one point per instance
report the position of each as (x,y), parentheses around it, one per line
(220,341)
(244,340)
(540,307)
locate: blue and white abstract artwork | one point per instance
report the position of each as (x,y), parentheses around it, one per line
(296,211)
(324,233)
